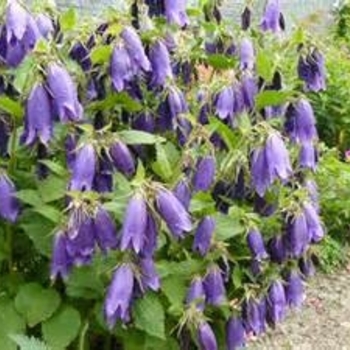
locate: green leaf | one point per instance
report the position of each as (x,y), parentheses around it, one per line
(149,315)
(101,54)
(55,168)
(121,100)
(61,330)
(23,74)
(134,137)
(10,323)
(26,343)
(230,137)
(35,303)
(218,61)
(152,343)
(202,203)
(174,287)
(181,269)
(264,66)
(11,107)
(68,20)
(31,197)
(162,166)
(49,212)
(227,227)
(272,98)
(52,189)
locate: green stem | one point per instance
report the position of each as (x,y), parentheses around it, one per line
(108,342)
(8,233)
(83,335)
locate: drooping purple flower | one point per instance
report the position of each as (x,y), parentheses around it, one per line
(84,168)
(206,337)
(119,296)
(14,55)
(256,245)
(256,267)
(312,189)
(205,174)
(61,263)
(149,277)
(276,303)
(247,55)
(64,93)
(203,235)
(103,180)
(38,118)
(297,235)
(307,267)
(315,229)
(273,19)
(161,64)
(263,207)
(45,25)
(173,213)
(246,18)
(262,304)
(251,317)
(183,193)
(151,236)
(31,34)
(134,224)
(214,287)
(249,91)
(196,294)
(175,11)
(80,53)
(9,208)
(105,230)
(122,158)
(177,102)
(277,249)
(144,122)
(225,103)
(16,22)
(235,333)
(308,156)
(294,289)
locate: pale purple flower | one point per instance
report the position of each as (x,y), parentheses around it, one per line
(203,235)
(161,64)
(9,208)
(206,337)
(249,92)
(175,11)
(251,316)
(151,236)
(15,55)
(214,287)
(308,156)
(16,22)
(183,193)
(224,103)
(196,294)
(205,174)
(235,333)
(149,277)
(105,230)
(122,158)
(61,263)
(119,296)
(256,245)
(31,34)
(297,235)
(315,228)
(247,55)
(177,102)
(312,190)
(45,25)
(273,19)
(276,303)
(294,289)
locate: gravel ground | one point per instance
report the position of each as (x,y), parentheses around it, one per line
(322,324)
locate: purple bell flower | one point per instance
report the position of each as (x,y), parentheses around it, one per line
(61,263)
(9,208)
(203,235)
(175,11)
(249,92)
(84,168)
(149,278)
(235,333)
(183,193)
(161,64)
(206,337)
(246,18)
(31,34)
(64,94)
(177,102)
(307,267)
(119,296)
(15,55)
(214,287)
(16,22)
(251,317)
(38,118)
(150,244)
(315,229)
(45,25)
(312,189)
(103,180)
(256,267)
(294,289)
(134,224)
(277,249)
(205,174)
(196,294)
(247,55)
(273,19)
(105,230)
(225,103)
(256,245)
(297,235)
(122,158)
(308,156)
(173,213)
(80,53)
(262,304)
(276,303)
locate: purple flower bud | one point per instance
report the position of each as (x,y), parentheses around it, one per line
(272,20)
(61,263)
(161,64)
(177,102)
(16,22)
(173,213)
(150,244)
(307,267)
(225,103)
(84,168)
(256,245)
(277,249)
(276,303)
(206,337)
(315,229)
(31,34)
(308,156)
(38,119)
(144,122)
(249,92)
(175,11)
(81,55)
(297,235)
(9,208)
(134,224)
(105,230)
(45,25)
(183,193)
(103,180)
(205,174)
(251,316)
(246,18)
(235,333)
(214,287)
(119,296)
(149,278)
(247,55)
(203,235)
(64,94)
(294,289)
(256,267)
(196,294)
(122,158)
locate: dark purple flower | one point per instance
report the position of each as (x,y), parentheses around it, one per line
(173,213)
(175,11)
(294,289)
(9,208)
(264,207)
(214,287)
(247,55)
(144,122)
(45,25)
(84,168)
(161,64)
(256,245)
(38,118)
(315,229)
(308,156)
(206,337)
(149,278)
(177,102)
(205,174)
(297,235)
(64,93)
(246,18)
(203,235)
(235,333)
(256,267)
(134,224)
(151,236)
(249,92)
(103,180)
(276,303)
(61,263)
(251,316)
(15,55)
(277,249)
(183,193)
(122,158)
(80,53)
(196,294)
(119,296)
(105,230)
(273,19)
(225,103)
(307,267)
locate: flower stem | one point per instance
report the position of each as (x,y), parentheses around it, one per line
(82,336)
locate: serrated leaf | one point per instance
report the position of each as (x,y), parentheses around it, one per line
(52,189)
(26,343)
(185,268)
(23,74)
(11,107)
(56,168)
(218,61)
(121,100)
(35,303)
(272,98)
(49,212)
(134,137)
(101,54)
(152,343)
(174,287)
(227,227)
(149,315)
(264,66)
(68,20)
(31,197)
(162,166)
(62,329)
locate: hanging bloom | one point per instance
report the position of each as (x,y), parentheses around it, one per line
(182,193)
(315,229)
(31,34)
(38,118)
(308,156)
(251,316)
(177,102)
(262,305)
(214,287)
(307,267)
(206,337)
(134,224)
(277,249)
(122,158)
(205,174)
(294,289)
(80,53)
(203,235)
(276,303)
(235,333)
(312,189)
(246,18)
(119,296)
(225,103)
(175,11)
(256,267)
(45,25)
(297,235)
(9,208)
(273,19)
(196,294)
(247,55)
(61,263)
(84,168)
(149,278)
(300,122)
(64,93)
(161,64)
(103,180)
(16,22)
(135,49)
(256,245)
(249,92)
(150,244)
(173,213)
